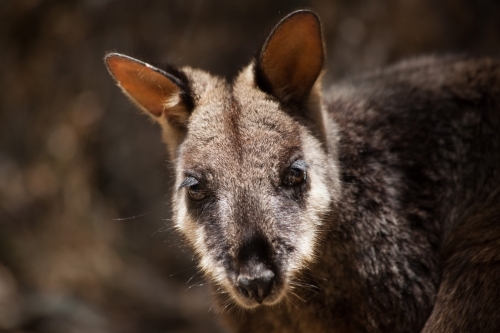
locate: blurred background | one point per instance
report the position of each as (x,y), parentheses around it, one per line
(86,243)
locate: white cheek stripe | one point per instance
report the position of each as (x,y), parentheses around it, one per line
(196,236)
(319,198)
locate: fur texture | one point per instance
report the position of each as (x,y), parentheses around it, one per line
(373,207)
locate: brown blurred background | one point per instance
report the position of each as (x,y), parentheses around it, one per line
(86,243)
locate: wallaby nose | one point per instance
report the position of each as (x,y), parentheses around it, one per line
(256,282)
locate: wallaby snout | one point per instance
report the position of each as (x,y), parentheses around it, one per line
(256,269)
(255,280)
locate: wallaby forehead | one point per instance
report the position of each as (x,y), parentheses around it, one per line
(234,129)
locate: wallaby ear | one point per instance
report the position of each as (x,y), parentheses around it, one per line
(165,95)
(292,57)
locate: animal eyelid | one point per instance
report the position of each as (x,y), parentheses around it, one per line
(299,164)
(188,181)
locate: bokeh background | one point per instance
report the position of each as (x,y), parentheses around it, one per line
(86,243)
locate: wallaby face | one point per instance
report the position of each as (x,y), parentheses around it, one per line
(253,186)
(254,183)
(373,209)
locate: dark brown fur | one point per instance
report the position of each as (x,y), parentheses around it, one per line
(396,227)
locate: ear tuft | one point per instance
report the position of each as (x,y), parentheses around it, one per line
(292,58)
(155,91)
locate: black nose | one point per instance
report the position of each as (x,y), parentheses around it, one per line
(255,281)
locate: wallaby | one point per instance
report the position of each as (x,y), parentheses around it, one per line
(371,206)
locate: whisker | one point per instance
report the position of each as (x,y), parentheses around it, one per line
(162,229)
(192,277)
(308,287)
(141,215)
(183,270)
(296,295)
(226,304)
(299,282)
(315,276)
(291,302)
(197,284)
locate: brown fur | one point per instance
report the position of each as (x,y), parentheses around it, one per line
(373,207)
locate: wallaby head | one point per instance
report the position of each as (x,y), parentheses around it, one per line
(255,177)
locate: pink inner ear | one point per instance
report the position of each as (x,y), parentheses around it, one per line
(293,57)
(146,87)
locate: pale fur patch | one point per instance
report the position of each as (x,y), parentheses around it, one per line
(321,173)
(196,236)
(172,100)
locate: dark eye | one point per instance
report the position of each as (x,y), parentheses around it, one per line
(296,174)
(195,190)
